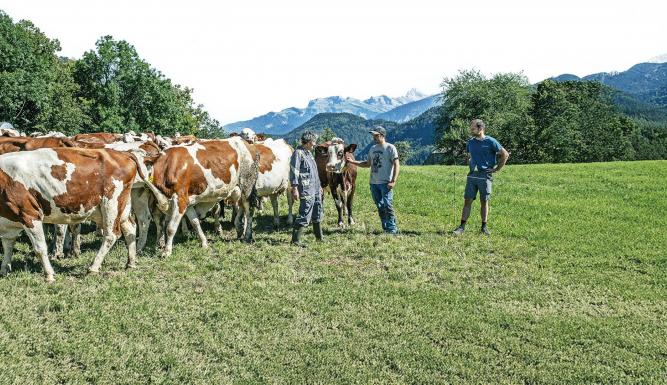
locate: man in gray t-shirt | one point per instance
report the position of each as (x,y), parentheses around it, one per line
(384,164)
(382,158)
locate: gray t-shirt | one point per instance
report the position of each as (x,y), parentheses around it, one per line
(382,158)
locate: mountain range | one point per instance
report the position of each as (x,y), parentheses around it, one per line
(419,131)
(399,109)
(645,81)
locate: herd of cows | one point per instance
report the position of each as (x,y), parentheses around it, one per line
(123,182)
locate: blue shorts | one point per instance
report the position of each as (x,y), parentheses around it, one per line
(478,181)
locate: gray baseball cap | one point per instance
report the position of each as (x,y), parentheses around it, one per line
(308,136)
(378,130)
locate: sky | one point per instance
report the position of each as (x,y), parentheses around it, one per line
(246,58)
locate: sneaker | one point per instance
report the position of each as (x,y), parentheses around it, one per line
(485,231)
(459,230)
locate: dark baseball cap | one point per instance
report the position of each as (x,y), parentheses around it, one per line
(378,130)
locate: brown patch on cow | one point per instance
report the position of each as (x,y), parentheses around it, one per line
(175,172)
(186,139)
(87,144)
(219,157)
(92,178)
(28,144)
(43,203)
(100,137)
(266,158)
(17,203)
(8,147)
(59,172)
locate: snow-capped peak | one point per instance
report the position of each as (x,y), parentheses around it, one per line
(659,59)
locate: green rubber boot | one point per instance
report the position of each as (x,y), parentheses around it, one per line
(317,229)
(296,236)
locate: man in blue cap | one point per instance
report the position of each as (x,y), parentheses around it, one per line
(384,164)
(482,152)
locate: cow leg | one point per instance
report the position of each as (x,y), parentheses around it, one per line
(243,222)
(109,212)
(75,234)
(59,242)
(141,210)
(38,240)
(8,248)
(185,232)
(350,198)
(290,203)
(191,213)
(274,204)
(129,230)
(343,195)
(158,218)
(339,205)
(173,220)
(217,212)
(238,222)
(248,214)
(107,242)
(235,212)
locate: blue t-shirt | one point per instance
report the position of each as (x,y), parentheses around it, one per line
(483,153)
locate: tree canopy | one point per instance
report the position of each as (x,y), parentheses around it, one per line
(110,89)
(570,121)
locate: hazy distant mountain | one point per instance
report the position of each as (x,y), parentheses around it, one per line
(279,123)
(411,110)
(645,81)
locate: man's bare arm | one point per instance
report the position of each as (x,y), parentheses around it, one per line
(504,155)
(366,163)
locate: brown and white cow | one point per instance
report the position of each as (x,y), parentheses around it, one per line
(141,196)
(28,144)
(99,137)
(65,186)
(336,174)
(273,177)
(146,152)
(202,174)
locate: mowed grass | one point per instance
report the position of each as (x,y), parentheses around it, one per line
(570,288)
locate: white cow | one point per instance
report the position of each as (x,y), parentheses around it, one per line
(273,178)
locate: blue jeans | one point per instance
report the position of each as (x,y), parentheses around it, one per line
(384,198)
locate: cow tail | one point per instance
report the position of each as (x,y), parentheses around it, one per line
(253,199)
(162,201)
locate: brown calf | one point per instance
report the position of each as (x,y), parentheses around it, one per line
(338,175)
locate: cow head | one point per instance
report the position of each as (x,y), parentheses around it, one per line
(248,134)
(334,152)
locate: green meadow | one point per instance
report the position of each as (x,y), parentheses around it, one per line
(570,288)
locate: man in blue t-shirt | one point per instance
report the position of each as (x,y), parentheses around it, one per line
(482,151)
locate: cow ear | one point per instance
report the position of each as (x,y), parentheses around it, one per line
(260,137)
(233,134)
(351,148)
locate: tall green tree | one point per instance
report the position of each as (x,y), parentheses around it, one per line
(326,135)
(36,87)
(123,92)
(579,123)
(405,151)
(503,102)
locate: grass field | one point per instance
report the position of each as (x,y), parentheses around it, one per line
(570,288)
